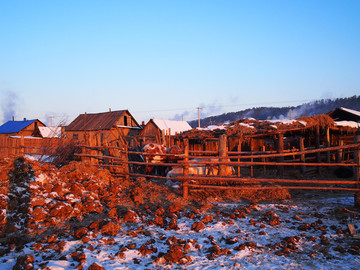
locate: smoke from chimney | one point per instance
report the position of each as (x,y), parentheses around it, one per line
(8,105)
(205,111)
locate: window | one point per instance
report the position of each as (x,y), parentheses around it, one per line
(75,136)
(125,121)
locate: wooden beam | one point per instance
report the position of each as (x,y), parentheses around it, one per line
(186,169)
(357,172)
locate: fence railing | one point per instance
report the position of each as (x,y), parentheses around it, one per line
(13,146)
(250,170)
(210,169)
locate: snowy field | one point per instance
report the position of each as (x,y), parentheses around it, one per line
(288,235)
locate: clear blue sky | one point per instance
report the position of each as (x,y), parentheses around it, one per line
(166,58)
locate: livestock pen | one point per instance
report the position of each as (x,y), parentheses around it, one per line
(297,168)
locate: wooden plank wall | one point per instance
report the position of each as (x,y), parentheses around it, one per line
(28,146)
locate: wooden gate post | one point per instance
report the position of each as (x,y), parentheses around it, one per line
(317,146)
(239,150)
(302,156)
(357,172)
(186,169)
(339,154)
(280,150)
(222,153)
(163,137)
(251,160)
(328,144)
(263,149)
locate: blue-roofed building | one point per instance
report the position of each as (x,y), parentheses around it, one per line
(26,128)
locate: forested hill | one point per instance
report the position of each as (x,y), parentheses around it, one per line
(322,106)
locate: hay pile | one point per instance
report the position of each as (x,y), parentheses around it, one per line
(249,126)
(198,134)
(321,120)
(253,195)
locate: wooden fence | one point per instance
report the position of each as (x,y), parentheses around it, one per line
(14,146)
(301,168)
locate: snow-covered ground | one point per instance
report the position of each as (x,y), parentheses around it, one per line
(312,234)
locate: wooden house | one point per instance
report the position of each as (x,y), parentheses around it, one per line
(25,128)
(99,128)
(347,124)
(156,130)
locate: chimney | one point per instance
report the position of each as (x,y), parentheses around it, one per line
(24,119)
(13,118)
(109,109)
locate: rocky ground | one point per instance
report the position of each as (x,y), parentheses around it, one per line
(80,217)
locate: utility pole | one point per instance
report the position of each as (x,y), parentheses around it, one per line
(198,116)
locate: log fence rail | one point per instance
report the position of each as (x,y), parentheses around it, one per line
(247,164)
(262,160)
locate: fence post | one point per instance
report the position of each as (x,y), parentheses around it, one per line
(328,144)
(302,156)
(263,149)
(186,169)
(251,153)
(222,153)
(239,150)
(357,172)
(91,144)
(317,146)
(339,156)
(163,137)
(22,145)
(169,141)
(280,150)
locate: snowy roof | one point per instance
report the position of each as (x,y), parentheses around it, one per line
(213,127)
(352,124)
(288,121)
(251,125)
(15,126)
(345,114)
(350,111)
(174,126)
(50,132)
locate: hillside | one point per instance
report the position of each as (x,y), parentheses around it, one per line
(322,106)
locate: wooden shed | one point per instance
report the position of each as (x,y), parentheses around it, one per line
(102,127)
(157,129)
(25,128)
(344,114)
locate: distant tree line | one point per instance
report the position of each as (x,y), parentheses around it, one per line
(322,106)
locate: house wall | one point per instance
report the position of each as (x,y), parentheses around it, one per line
(150,134)
(150,129)
(99,137)
(126,120)
(126,125)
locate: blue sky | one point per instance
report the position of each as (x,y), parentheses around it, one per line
(164,59)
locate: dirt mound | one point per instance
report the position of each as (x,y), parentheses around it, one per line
(77,191)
